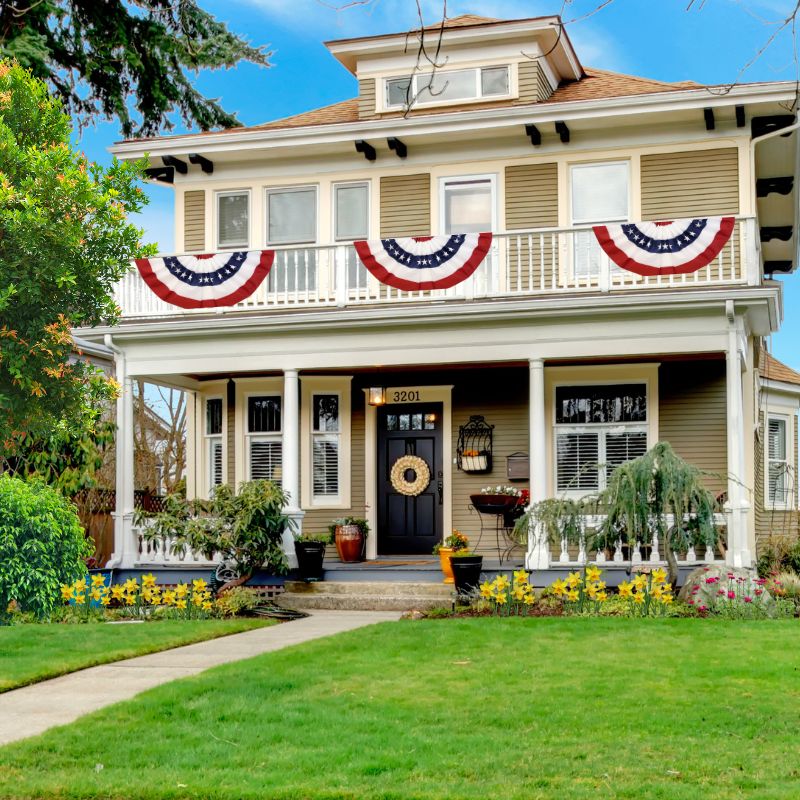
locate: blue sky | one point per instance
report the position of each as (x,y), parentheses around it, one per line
(656,38)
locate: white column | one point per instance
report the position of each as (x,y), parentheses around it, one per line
(738,553)
(538,555)
(125,542)
(291,457)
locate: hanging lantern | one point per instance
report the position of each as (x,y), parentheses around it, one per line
(376,396)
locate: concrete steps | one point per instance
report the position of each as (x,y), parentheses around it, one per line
(365,595)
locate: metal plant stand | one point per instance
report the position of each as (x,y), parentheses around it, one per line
(492,522)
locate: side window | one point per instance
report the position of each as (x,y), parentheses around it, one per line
(233,219)
(213,442)
(779,482)
(325,446)
(264,446)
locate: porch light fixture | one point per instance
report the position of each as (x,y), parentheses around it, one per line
(376,396)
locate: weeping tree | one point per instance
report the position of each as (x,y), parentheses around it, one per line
(660,494)
(557,519)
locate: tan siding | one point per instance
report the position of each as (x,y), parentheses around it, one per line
(194,221)
(366,98)
(531,202)
(405,205)
(692,415)
(533,86)
(690,183)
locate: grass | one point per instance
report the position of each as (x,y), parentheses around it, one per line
(475,708)
(31,653)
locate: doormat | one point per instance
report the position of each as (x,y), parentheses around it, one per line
(386,563)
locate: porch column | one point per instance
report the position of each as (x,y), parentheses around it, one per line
(125,542)
(538,555)
(737,507)
(291,457)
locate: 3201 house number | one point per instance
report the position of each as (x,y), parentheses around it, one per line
(405,396)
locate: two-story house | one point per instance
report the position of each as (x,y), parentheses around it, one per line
(325,374)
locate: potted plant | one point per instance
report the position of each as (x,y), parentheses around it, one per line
(511,516)
(310,551)
(496,499)
(350,535)
(453,543)
(466,568)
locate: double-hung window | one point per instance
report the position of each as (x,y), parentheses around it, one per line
(233,219)
(598,193)
(292,220)
(326,431)
(213,442)
(779,484)
(598,427)
(350,223)
(264,447)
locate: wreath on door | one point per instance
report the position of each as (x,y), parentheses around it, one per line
(422,476)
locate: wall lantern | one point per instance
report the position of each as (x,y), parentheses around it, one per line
(376,396)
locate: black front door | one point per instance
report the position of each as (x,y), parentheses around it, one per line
(409,524)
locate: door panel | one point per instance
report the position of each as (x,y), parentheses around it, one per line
(409,525)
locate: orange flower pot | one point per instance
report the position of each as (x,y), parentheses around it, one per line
(447,567)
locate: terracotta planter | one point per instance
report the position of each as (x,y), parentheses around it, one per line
(444,560)
(349,543)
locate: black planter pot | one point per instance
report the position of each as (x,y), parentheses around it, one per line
(466,573)
(309,560)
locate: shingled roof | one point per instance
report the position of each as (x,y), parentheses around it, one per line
(774,370)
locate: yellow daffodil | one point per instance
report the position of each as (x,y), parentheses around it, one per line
(169,597)
(667,587)
(573,580)
(625,589)
(501,582)
(207,605)
(130,599)
(601,597)
(98,580)
(155,597)
(658,575)
(95,594)
(666,599)
(80,586)
(529,598)
(592,590)
(657,591)
(487,589)
(518,592)
(558,588)
(638,598)
(105,600)
(80,599)
(131,585)
(520,576)
(593,573)
(67,592)
(182,589)
(149,580)
(197,600)
(639,582)
(600,585)
(117,591)
(180,604)
(198,584)
(501,599)
(572,595)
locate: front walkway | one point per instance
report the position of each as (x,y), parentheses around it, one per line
(33,709)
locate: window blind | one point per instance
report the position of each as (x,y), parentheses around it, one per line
(576,461)
(778,467)
(325,446)
(266,459)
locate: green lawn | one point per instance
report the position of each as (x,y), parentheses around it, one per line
(678,709)
(30,653)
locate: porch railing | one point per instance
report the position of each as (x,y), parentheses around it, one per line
(546,261)
(159,553)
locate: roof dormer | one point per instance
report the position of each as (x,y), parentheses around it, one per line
(479,62)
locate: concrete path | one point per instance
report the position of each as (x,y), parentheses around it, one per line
(33,709)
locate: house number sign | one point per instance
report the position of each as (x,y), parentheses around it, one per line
(408,394)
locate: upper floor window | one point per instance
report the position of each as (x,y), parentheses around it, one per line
(350,211)
(779,472)
(233,219)
(598,193)
(468,204)
(292,215)
(448,86)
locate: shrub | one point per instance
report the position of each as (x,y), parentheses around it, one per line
(236,601)
(785,585)
(42,545)
(780,554)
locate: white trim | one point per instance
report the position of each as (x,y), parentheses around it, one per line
(327,384)
(215,218)
(433,394)
(789,420)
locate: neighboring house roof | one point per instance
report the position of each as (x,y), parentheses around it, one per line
(597,84)
(774,370)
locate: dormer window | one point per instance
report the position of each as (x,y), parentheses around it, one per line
(451,86)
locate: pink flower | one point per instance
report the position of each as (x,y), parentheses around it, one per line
(690,602)
(720,591)
(748,599)
(761,581)
(731,576)
(703,608)
(711,580)
(731,595)
(695,589)
(759,592)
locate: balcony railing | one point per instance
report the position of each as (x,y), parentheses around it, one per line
(550,261)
